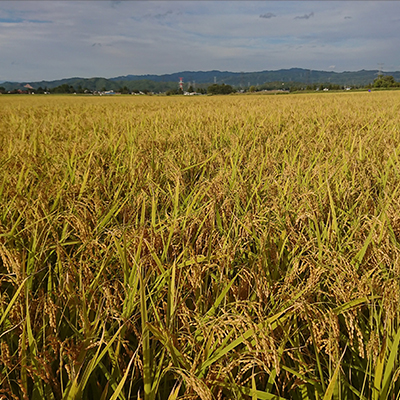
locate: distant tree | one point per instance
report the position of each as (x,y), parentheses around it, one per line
(172,92)
(65,88)
(385,81)
(2,89)
(220,89)
(252,89)
(124,90)
(213,89)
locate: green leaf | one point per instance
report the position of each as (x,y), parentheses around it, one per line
(390,367)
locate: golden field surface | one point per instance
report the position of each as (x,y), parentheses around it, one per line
(233,247)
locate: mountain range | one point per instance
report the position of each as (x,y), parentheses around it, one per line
(160,83)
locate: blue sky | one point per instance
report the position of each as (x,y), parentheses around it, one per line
(46,40)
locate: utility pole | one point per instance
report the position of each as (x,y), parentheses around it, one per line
(380,69)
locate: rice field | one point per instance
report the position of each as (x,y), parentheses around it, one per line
(233,247)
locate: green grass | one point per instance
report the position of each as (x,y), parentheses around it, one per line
(200,248)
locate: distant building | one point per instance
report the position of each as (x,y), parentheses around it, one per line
(107,93)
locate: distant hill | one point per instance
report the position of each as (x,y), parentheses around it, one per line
(305,76)
(160,83)
(95,84)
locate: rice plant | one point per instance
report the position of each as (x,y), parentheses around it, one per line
(238,247)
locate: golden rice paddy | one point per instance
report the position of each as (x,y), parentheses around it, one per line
(233,247)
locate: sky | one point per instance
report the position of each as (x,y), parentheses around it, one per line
(48,40)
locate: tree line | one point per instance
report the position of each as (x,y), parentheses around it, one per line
(381,82)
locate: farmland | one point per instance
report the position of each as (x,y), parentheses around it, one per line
(235,247)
